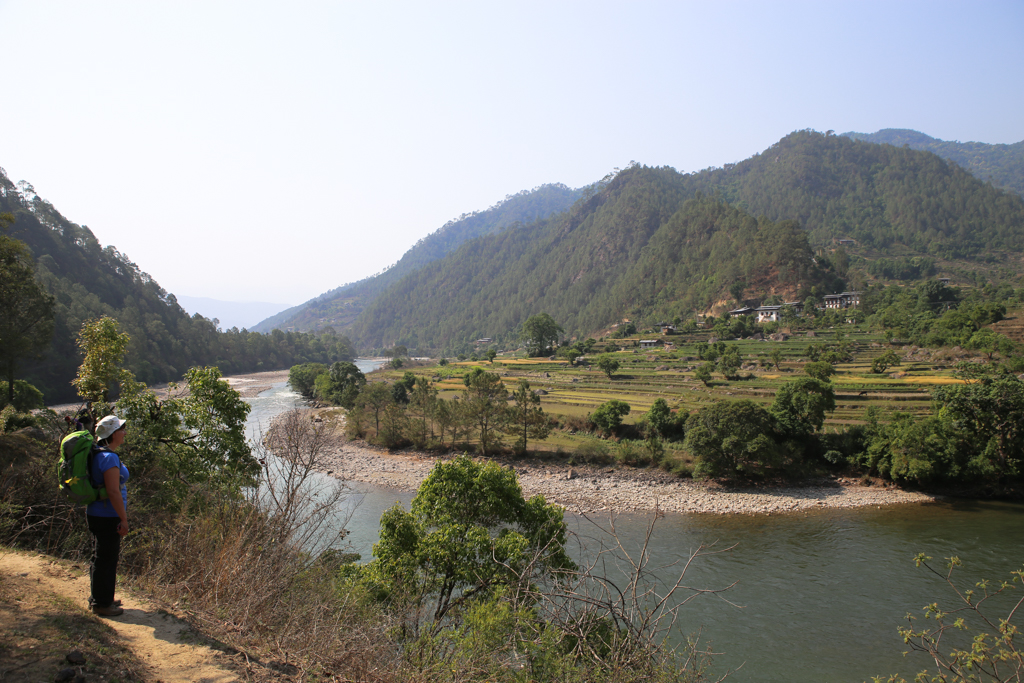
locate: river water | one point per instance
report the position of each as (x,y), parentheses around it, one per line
(819,595)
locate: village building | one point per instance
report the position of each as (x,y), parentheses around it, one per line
(773,313)
(842,300)
(649,343)
(745,310)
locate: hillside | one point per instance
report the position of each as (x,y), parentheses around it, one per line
(89,280)
(1002,164)
(885,197)
(655,243)
(341,306)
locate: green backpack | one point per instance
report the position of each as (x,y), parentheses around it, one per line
(73,478)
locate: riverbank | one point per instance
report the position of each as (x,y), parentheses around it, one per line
(589,489)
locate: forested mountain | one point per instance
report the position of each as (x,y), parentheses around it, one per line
(655,243)
(88,280)
(1002,164)
(340,307)
(879,195)
(640,248)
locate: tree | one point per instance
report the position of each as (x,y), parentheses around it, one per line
(820,370)
(469,533)
(541,334)
(990,343)
(885,361)
(195,435)
(800,406)
(730,436)
(400,351)
(990,415)
(491,355)
(302,378)
(659,417)
(608,365)
(484,403)
(26,326)
(526,418)
(608,416)
(776,358)
(703,372)
(730,362)
(340,385)
(375,398)
(104,347)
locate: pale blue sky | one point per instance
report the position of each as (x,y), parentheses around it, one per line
(258,151)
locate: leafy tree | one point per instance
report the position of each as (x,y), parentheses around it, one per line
(396,362)
(608,416)
(883,362)
(340,385)
(525,417)
(194,436)
(491,355)
(26,396)
(104,347)
(541,334)
(659,417)
(375,398)
(302,378)
(26,325)
(990,343)
(729,437)
(400,351)
(776,358)
(484,403)
(820,370)
(800,406)
(990,416)
(469,533)
(608,365)
(703,372)
(730,362)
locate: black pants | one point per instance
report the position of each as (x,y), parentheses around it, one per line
(103,571)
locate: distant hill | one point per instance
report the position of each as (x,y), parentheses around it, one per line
(89,280)
(1002,164)
(339,307)
(654,243)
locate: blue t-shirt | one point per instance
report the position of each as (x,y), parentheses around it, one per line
(103,460)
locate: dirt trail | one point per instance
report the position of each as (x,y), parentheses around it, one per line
(158,640)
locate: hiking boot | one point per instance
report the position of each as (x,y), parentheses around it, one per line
(116,603)
(112,610)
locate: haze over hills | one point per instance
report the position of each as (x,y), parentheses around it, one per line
(606,258)
(228,314)
(1002,164)
(339,307)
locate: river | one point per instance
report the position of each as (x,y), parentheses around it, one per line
(820,593)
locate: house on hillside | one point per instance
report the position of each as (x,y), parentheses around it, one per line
(847,243)
(744,310)
(484,340)
(773,313)
(667,329)
(943,280)
(649,343)
(842,300)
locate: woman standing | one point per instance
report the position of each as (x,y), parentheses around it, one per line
(108,518)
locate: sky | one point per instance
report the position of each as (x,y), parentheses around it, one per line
(271,151)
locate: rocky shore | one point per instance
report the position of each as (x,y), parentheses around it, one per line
(587,489)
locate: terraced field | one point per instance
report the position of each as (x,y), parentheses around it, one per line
(645,376)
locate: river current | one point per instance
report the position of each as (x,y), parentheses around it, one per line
(818,595)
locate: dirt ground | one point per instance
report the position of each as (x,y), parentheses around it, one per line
(44,619)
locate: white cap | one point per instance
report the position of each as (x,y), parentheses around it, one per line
(108,425)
